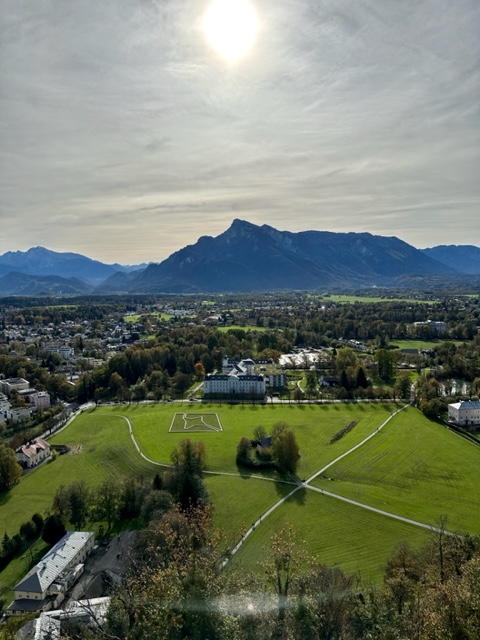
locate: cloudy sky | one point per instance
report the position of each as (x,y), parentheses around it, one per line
(124,136)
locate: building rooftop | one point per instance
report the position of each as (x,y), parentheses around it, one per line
(54,562)
(466,404)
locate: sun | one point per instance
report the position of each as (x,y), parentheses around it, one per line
(230,27)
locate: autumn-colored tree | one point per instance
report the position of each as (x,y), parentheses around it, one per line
(199,371)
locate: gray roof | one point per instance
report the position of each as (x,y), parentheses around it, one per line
(466,404)
(54,562)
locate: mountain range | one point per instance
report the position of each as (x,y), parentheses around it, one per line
(245,257)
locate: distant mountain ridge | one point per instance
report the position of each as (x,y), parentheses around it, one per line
(39,261)
(464,258)
(245,257)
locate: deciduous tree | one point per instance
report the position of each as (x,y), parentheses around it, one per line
(10,470)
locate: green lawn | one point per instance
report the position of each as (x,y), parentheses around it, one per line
(352,299)
(422,344)
(234,514)
(336,533)
(313,425)
(245,327)
(105,448)
(414,468)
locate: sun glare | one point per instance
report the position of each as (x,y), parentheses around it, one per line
(230,27)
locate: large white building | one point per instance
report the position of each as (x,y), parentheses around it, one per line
(464,413)
(242,384)
(436,326)
(239,378)
(44,587)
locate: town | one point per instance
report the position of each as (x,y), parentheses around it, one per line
(63,359)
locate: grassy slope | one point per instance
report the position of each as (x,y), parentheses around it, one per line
(240,500)
(106,448)
(336,533)
(414,468)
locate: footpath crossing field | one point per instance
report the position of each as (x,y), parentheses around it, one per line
(412,468)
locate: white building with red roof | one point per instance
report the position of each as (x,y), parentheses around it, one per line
(32,453)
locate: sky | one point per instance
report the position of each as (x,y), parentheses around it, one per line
(125,136)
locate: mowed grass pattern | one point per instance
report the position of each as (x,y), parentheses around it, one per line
(414,468)
(314,426)
(334,532)
(239,501)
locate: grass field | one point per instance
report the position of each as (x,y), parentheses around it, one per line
(245,327)
(336,533)
(414,468)
(423,344)
(102,446)
(313,425)
(352,299)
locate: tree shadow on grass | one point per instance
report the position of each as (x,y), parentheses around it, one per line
(300,497)
(5,496)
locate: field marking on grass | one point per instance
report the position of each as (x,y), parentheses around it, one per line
(194,422)
(169,466)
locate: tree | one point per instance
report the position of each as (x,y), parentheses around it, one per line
(10,470)
(79,500)
(107,500)
(38,521)
(311,383)
(403,384)
(157,482)
(386,362)
(244,448)
(189,460)
(361,379)
(61,502)
(282,569)
(28,530)
(53,529)
(199,371)
(346,360)
(285,448)
(156,504)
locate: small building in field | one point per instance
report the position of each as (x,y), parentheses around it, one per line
(464,413)
(33,453)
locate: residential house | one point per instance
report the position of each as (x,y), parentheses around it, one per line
(33,453)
